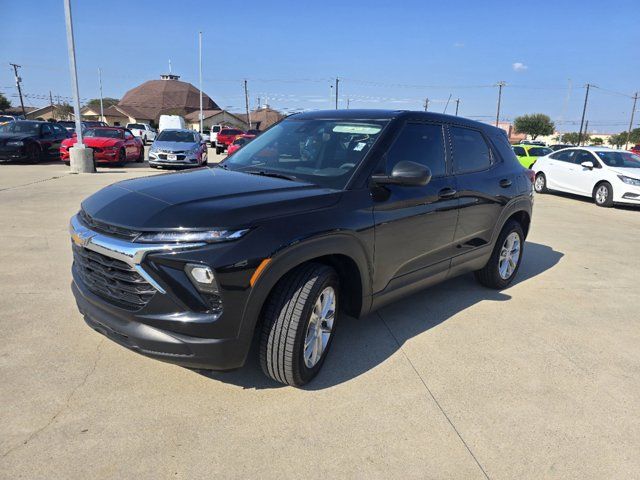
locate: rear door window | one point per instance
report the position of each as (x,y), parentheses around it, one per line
(519,151)
(421,143)
(470,151)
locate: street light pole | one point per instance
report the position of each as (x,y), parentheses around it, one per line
(584,111)
(337,82)
(200,77)
(633,111)
(101,105)
(80,158)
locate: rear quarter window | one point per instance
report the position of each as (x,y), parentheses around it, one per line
(470,150)
(504,149)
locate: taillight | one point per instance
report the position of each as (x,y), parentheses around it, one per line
(532,175)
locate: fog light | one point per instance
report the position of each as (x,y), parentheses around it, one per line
(202,277)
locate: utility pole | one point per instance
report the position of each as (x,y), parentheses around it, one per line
(246,102)
(457,105)
(81,158)
(447,104)
(584,111)
(586,131)
(499,85)
(337,82)
(426,104)
(18,82)
(348,99)
(200,77)
(51,105)
(633,111)
(100,85)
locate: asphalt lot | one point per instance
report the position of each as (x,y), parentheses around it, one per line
(538,381)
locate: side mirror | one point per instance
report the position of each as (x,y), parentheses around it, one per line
(588,164)
(405,173)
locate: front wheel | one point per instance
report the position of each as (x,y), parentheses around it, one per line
(505,259)
(33,153)
(219,150)
(603,195)
(540,184)
(299,321)
(140,158)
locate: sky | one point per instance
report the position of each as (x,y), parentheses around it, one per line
(387,54)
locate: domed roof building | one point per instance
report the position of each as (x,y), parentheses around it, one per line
(167,96)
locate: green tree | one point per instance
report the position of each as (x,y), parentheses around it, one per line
(534,125)
(634,137)
(597,141)
(618,140)
(94,103)
(64,111)
(572,138)
(4,103)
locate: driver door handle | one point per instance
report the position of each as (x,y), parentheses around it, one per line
(447,192)
(505,182)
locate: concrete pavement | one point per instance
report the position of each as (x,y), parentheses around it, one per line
(537,381)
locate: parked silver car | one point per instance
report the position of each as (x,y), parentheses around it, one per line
(177,147)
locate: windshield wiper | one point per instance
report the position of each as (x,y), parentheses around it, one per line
(271,174)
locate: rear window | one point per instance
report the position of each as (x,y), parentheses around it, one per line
(519,151)
(230,131)
(470,150)
(135,125)
(539,152)
(215,129)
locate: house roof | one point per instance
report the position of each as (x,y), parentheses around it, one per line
(171,96)
(193,116)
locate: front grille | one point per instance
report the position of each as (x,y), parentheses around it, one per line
(102,227)
(111,279)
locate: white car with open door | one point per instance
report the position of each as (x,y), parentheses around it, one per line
(608,176)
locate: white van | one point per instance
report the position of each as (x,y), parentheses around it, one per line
(171,121)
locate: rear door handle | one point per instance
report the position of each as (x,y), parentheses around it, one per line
(505,182)
(447,193)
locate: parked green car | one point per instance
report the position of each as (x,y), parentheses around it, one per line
(527,154)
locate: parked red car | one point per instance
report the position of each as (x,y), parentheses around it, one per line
(226,136)
(111,145)
(239,142)
(635,149)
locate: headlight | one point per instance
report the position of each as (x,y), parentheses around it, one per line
(209,236)
(202,277)
(629,180)
(153,149)
(15,143)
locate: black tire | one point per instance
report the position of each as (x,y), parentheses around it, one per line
(144,140)
(140,158)
(33,153)
(286,317)
(219,150)
(68,164)
(489,275)
(607,200)
(122,158)
(540,183)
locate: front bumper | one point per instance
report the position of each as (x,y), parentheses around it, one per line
(99,155)
(626,194)
(173,325)
(160,159)
(8,154)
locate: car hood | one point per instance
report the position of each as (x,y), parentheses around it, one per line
(4,137)
(101,142)
(174,146)
(627,172)
(203,198)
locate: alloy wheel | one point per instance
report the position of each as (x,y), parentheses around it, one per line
(539,183)
(320,327)
(602,193)
(509,255)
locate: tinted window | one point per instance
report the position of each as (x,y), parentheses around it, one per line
(136,125)
(177,136)
(231,132)
(470,150)
(563,155)
(47,130)
(103,132)
(519,151)
(421,143)
(620,159)
(58,129)
(583,156)
(504,148)
(539,151)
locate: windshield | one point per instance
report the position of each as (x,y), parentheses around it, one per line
(27,128)
(103,132)
(240,141)
(139,126)
(5,119)
(539,152)
(215,129)
(176,136)
(231,132)
(619,159)
(324,152)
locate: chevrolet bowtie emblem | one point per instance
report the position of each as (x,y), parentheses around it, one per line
(82,238)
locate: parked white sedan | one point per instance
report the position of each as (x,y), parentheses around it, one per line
(608,176)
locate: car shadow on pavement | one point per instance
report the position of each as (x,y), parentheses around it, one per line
(362,344)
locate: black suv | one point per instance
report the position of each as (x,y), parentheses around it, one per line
(323,214)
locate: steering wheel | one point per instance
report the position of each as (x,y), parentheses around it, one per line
(347,165)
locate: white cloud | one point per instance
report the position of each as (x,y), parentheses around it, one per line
(519,67)
(458,45)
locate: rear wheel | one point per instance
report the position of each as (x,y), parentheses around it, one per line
(140,158)
(541,183)
(299,321)
(505,259)
(603,195)
(219,150)
(33,153)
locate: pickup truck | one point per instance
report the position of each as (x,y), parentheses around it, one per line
(143,131)
(226,136)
